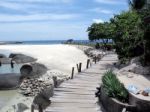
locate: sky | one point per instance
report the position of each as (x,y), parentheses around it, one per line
(54,19)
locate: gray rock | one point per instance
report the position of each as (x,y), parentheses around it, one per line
(43,97)
(3,56)
(9,81)
(21,58)
(33,70)
(5,60)
(136,69)
(21,107)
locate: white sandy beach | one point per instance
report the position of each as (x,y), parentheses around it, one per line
(59,58)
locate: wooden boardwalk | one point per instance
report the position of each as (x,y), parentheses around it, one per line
(78,94)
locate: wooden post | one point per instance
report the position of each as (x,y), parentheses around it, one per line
(80,67)
(72,74)
(12,64)
(88,61)
(55,81)
(32,108)
(40,108)
(95,59)
(0,63)
(77,67)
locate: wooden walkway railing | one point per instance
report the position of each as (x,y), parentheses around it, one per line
(78,94)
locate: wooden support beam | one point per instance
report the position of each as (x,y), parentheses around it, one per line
(88,62)
(72,74)
(95,59)
(80,67)
(12,64)
(32,108)
(55,81)
(77,67)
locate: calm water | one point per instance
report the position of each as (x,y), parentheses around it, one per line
(6,68)
(48,42)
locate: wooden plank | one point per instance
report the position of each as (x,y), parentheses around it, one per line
(78,95)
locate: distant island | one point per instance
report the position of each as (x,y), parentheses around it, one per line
(10,42)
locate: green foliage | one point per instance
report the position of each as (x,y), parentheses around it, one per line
(101,31)
(129,30)
(127,34)
(113,87)
(137,4)
(144,13)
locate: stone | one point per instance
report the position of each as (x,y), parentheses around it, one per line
(21,107)
(21,58)
(136,69)
(33,70)
(9,81)
(3,56)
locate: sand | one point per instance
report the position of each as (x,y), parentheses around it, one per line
(57,58)
(60,57)
(140,81)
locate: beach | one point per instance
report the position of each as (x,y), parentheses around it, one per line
(59,59)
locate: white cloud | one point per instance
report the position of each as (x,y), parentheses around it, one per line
(44,1)
(106,11)
(112,2)
(10,5)
(99,10)
(25,4)
(36,17)
(98,21)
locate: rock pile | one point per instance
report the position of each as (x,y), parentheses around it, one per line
(92,53)
(32,87)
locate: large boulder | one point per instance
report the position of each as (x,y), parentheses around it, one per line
(21,107)
(33,70)
(135,66)
(42,98)
(5,60)
(9,81)
(3,56)
(21,58)
(138,69)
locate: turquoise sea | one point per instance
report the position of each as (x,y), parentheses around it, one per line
(48,42)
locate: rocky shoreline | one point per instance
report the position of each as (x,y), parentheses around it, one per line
(37,82)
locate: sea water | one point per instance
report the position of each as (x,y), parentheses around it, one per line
(6,69)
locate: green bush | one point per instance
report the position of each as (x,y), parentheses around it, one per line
(113,87)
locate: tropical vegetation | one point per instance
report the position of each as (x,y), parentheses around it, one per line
(113,87)
(129,31)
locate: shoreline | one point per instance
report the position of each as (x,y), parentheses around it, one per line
(57,72)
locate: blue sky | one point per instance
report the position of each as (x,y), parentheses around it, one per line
(53,19)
